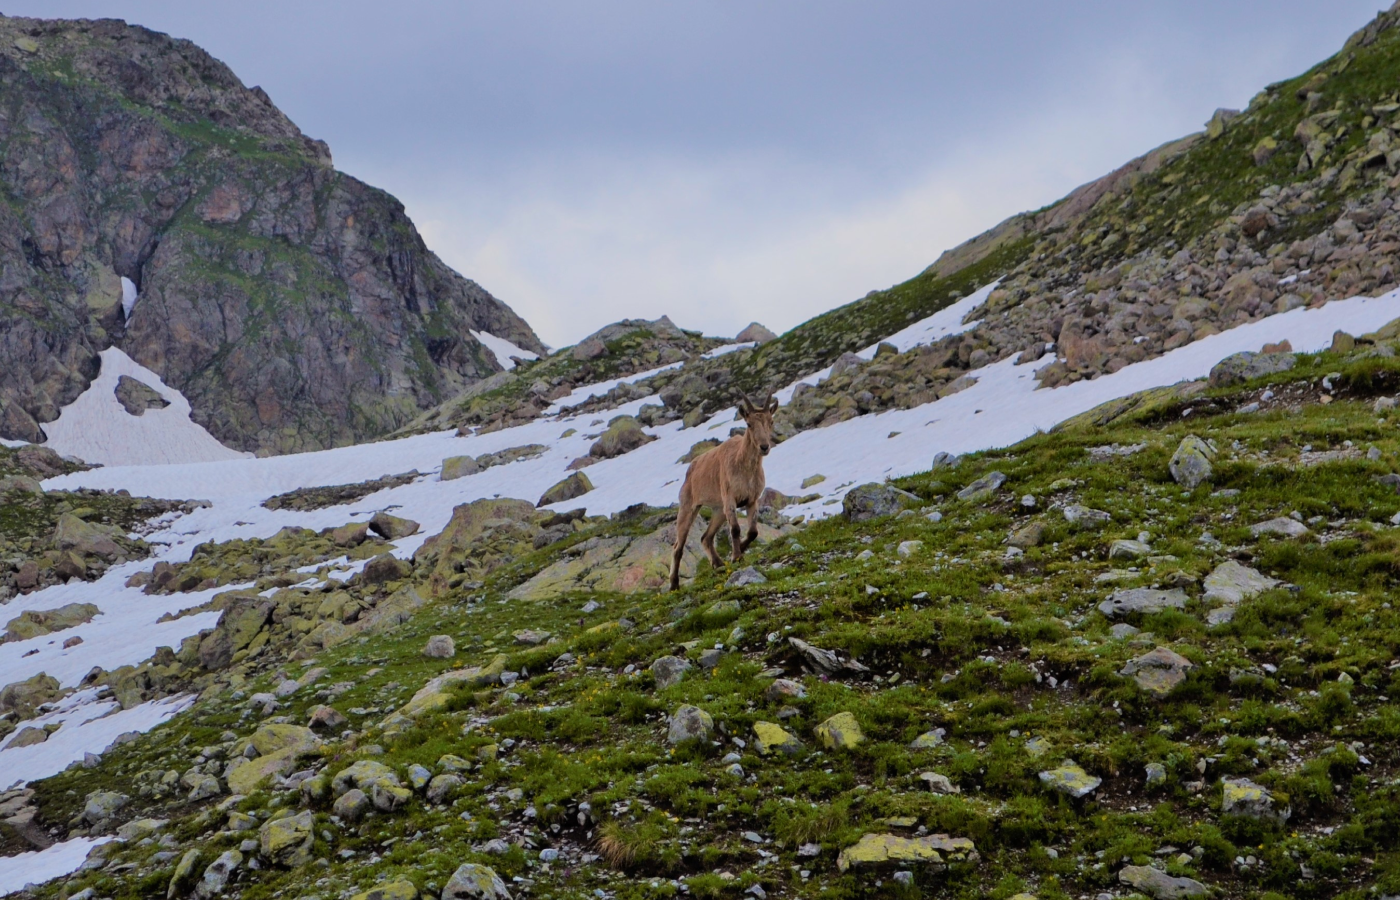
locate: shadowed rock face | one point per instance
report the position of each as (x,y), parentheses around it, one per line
(295,306)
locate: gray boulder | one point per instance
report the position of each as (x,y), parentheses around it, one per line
(1241,367)
(1085,516)
(745,577)
(754,332)
(1142,600)
(668,671)
(1191,463)
(101,806)
(576,485)
(690,723)
(440,646)
(983,487)
(473,881)
(455,467)
(1159,885)
(1158,671)
(1242,797)
(873,501)
(1282,526)
(217,875)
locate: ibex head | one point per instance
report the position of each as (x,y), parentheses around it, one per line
(760,422)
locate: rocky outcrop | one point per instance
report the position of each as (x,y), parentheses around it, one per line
(294,306)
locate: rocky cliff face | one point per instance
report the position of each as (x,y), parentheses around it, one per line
(295,306)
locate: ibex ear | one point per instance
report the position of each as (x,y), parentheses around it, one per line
(772,404)
(745,409)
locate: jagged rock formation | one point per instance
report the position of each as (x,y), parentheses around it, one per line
(295,306)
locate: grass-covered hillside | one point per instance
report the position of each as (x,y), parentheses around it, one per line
(1079,676)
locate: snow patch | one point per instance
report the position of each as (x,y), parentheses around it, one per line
(727,349)
(96,428)
(503,349)
(129,297)
(578,395)
(45,865)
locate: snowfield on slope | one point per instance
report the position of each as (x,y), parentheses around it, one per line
(1000,409)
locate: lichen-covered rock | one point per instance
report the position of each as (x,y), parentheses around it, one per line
(874,500)
(279,746)
(745,577)
(183,875)
(1085,517)
(1070,778)
(624,435)
(1241,367)
(472,881)
(770,737)
(1242,797)
(690,723)
(443,786)
(455,467)
(1142,601)
(438,692)
(391,528)
(362,774)
(983,487)
(1159,885)
(1158,671)
(287,841)
(1191,463)
(570,488)
(100,806)
(622,564)
(840,732)
(388,797)
(928,740)
(23,698)
(440,646)
(668,671)
(394,890)
(1126,549)
(877,850)
(217,875)
(352,805)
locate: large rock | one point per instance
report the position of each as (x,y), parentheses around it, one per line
(1070,778)
(394,890)
(1159,885)
(1191,463)
(1230,584)
(1242,367)
(440,691)
(983,487)
(33,623)
(840,732)
(1158,671)
(86,539)
(769,737)
(571,488)
(690,723)
(668,671)
(244,616)
(621,564)
(24,697)
(217,875)
(279,747)
(100,806)
(297,308)
(455,467)
(136,396)
(754,332)
(874,500)
(880,850)
(1142,601)
(1086,517)
(624,435)
(472,881)
(1242,797)
(480,535)
(391,528)
(1282,527)
(287,841)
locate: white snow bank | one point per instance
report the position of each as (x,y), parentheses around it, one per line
(96,428)
(5,442)
(727,349)
(87,726)
(578,395)
(503,349)
(129,297)
(45,865)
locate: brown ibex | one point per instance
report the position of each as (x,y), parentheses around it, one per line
(724,479)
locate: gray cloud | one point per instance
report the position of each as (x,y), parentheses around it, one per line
(727,161)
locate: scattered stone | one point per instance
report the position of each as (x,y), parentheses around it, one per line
(939,784)
(840,732)
(928,740)
(1191,463)
(27,737)
(624,435)
(394,890)
(217,875)
(388,797)
(755,333)
(1242,797)
(391,528)
(530,637)
(1123,631)
(34,623)
(287,841)
(1125,549)
(1241,367)
(576,485)
(690,723)
(668,671)
(352,805)
(472,881)
(745,577)
(455,467)
(909,548)
(1156,775)
(825,662)
(1232,583)
(184,873)
(1069,778)
(983,487)
(203,787)
(100,806)
(327,718)
(1086,517)
(874,850)
(1282,526)
(784,689)
(1159,885)
(1143,601)
(1028,535)
(770,737)
(874,500)
(1158,671)
(440,646)
(443,787)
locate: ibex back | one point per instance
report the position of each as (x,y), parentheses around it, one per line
(724,479)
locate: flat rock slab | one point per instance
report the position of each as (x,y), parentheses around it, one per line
(889,849)
(1158,884)
(1086,517)
(983,487)
(1070,778)
(1142,600)
(1231,582)
(1125,549)
(1158,671)
(1282,526)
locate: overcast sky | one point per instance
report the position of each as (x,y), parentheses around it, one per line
(724,161)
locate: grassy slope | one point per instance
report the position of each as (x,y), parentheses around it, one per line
(966,657)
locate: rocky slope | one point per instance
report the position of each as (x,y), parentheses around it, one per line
(295,306)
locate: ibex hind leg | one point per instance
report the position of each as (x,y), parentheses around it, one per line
(683,523)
